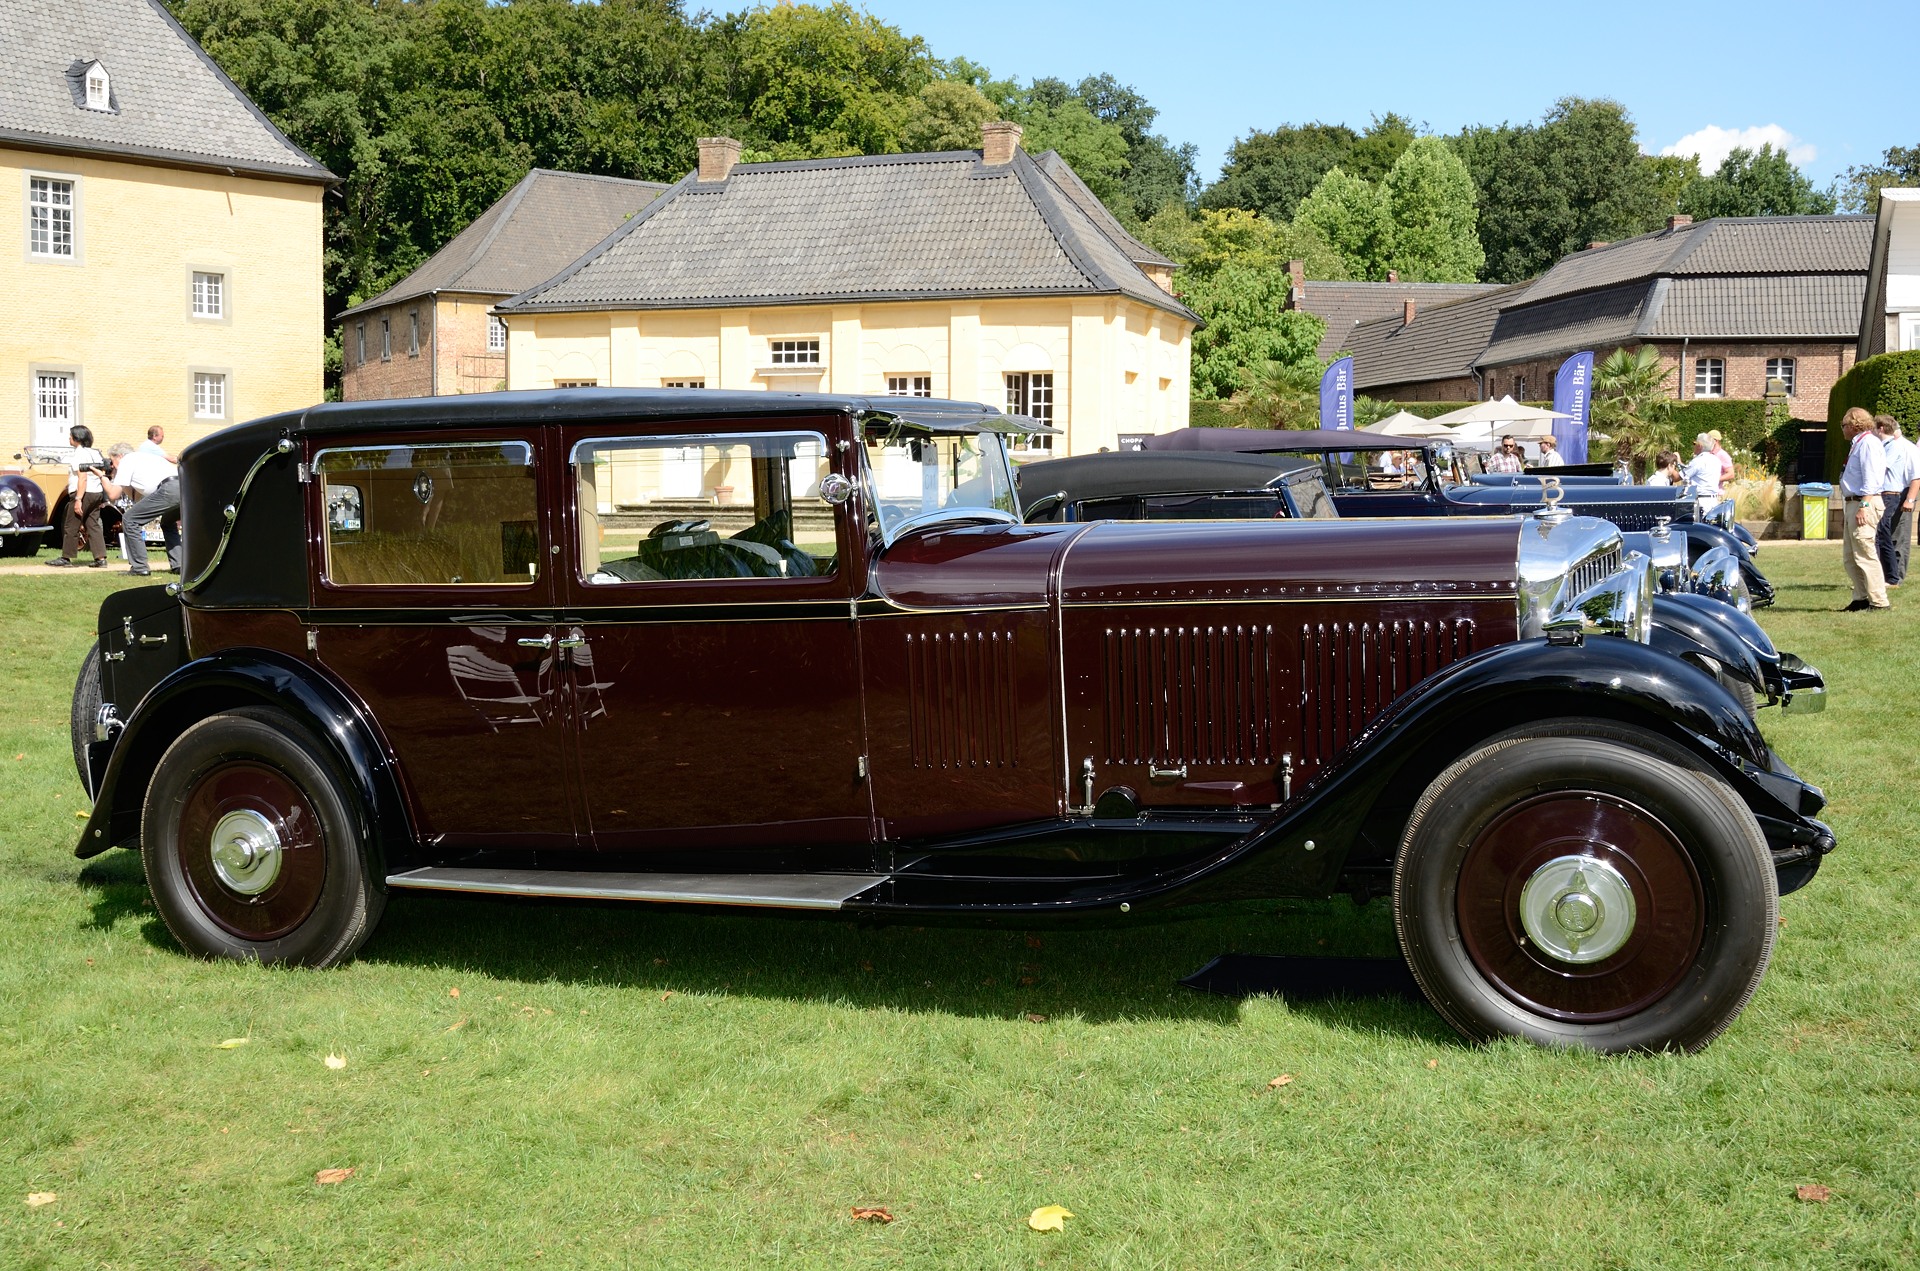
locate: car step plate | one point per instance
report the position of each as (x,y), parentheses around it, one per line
(778,891)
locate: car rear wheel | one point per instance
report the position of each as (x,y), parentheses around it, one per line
(1585,887)
(252,847)
(85,714)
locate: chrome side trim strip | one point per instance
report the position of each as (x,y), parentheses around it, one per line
(774,891)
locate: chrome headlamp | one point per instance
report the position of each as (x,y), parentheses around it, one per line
(1717,574)
(1720,514)
(9,499)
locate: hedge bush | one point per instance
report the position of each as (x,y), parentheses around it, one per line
(1884,385)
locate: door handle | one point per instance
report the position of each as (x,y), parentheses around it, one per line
(535,642)
(1158,773)
(573,641)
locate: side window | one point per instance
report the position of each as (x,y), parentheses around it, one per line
(462,514)
(665,509)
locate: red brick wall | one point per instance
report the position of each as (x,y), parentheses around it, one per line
(398,376)
(1818,364)
(460,346)
(1460,389)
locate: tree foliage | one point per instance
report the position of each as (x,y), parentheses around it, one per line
(1246,326)
(1861,185)
(1350,215)
(1205,241)
(1428,197)
(1548,189)
(1632,403)
(1754,183)
(1273,172)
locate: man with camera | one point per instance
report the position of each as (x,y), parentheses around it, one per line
(153,482)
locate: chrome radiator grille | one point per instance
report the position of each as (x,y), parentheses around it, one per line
(1594,572)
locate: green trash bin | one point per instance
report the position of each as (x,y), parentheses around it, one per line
(1813,509)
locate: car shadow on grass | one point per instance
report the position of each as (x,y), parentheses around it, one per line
(119,887)
(1125,969)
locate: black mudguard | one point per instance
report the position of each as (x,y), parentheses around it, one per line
(1702,537)
(1695,631)
(248,677)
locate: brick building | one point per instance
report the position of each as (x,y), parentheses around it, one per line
(1730,303)
(430,334)
(1427,354)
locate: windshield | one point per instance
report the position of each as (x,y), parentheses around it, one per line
(916,475)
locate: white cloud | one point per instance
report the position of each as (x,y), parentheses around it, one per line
(1713,142)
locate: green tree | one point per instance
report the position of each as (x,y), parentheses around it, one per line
(1351,216)
(821,81)
(1552,188)
(1205,241)
(1279,395)
(1632,404)
(1755,183)
(1673,176)
(1380,146)
(1429,199)
(1861,185)
(1245,326)
(1271,172)
(1095,149)
(946,115)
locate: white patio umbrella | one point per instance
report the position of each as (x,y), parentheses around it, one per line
(1483,421)
(1406,424)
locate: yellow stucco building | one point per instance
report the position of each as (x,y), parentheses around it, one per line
(986,275)
(165,263)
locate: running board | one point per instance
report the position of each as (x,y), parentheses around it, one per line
(775,891)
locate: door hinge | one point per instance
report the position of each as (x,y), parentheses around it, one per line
(306,473)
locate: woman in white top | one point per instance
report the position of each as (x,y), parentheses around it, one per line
(86,492)
(1666,469)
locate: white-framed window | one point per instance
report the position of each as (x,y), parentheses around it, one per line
(1030,393)
(496,334)
(576,383)
(50,220)
(56,406)
(209,294)
(909,386)
(209,395)
(1519,388)
(683,383)
(1709,377)
(794,352)
(99,88)
(1782,369)
(386,339)
(1910,331)
(413,333)
(360,344)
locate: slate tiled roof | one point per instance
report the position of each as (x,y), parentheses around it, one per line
(539,227)
(1063,175)
(1440,343)
(1729,278)
(883,227)
(1345,305)
(170,103)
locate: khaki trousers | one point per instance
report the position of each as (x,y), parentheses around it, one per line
(1863,552)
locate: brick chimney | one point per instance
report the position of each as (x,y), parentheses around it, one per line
(1393,275)
(999,138)
(1407,310)
(1680,221)
(1297,284)
(1598,243)
(717,157)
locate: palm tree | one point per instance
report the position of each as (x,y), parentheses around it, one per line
(1632,404)
(1279,395)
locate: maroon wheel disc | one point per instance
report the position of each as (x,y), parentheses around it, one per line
(250,846)
(1657,931)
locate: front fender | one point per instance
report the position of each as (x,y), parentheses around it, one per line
(1685,631)
(1703,537)
(247,677)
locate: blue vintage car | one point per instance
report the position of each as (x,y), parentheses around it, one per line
(1434,483)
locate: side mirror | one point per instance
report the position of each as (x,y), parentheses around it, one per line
(835,489)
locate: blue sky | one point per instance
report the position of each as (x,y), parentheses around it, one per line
(1217,70)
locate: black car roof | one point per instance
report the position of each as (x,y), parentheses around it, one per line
(562,405)
(1275,440)
(1121,473)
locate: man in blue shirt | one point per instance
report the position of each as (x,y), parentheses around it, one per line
(1903,484)
(1862,482)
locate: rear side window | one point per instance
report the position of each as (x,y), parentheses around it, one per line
(461,514)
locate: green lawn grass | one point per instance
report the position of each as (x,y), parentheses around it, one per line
(618,1086)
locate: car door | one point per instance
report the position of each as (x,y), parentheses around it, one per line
(434,605)
(710,639)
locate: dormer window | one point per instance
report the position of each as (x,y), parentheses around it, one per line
(99,87)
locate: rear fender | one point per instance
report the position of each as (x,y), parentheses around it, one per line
(237,678)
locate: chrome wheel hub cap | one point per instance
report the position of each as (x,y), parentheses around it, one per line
(246,852)
(1577,909)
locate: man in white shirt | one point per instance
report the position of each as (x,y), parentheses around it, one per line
(153,481)
(1861,484)
(1703,473)
(1550,456)
(1903,483)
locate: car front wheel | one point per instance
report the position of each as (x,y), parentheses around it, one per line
(251,846)
(1591,887)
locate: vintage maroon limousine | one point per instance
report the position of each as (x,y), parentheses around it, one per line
(800,651)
